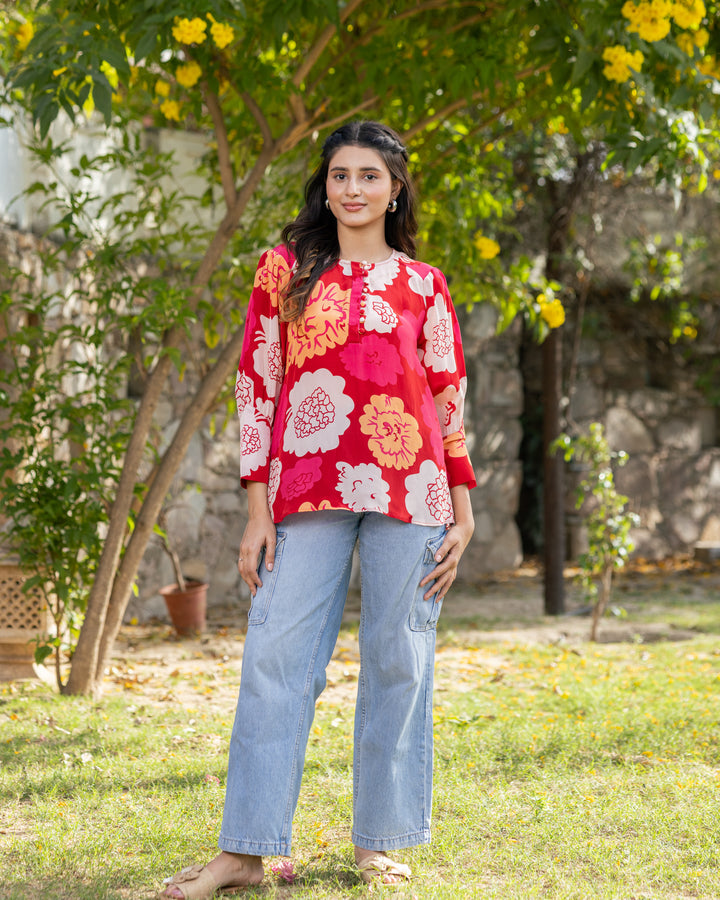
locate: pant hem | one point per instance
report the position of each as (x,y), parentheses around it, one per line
(254,848)
(398,842)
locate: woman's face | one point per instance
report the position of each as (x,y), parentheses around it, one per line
(359,187)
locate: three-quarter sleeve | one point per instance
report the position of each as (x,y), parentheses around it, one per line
(441,354)
(261,369)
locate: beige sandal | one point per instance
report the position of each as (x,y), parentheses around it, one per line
(196,883)
(374,869)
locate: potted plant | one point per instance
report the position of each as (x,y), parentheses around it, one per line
(186,599)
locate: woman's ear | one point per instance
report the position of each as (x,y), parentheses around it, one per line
(397,186)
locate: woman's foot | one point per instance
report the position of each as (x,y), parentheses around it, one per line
(227,871)
(376,866)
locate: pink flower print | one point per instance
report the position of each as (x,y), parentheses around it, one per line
(428,496)
(363,488)
(374,359)
(379,315)
(298,480)
(318,413)
(439,344)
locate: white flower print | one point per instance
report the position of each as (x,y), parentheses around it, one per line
(243,391)
(318,413)
(254,443)
(267,357)
(428,496)
(419,285)
(274,480)
(449,405)
(363,488)
(379,315)
(439,339)
(380,276)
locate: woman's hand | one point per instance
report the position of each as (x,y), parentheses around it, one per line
(453,547)
(259,532)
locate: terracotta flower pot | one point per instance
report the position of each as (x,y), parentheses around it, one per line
(187,608)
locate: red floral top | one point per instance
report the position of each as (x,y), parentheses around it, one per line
(359,405)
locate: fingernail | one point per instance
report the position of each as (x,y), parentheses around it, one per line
(269,567)
(438,557)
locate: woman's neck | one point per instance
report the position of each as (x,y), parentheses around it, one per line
(358,247)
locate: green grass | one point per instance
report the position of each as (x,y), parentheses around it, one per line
(584,772)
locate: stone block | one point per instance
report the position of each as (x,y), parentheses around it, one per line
(625,431)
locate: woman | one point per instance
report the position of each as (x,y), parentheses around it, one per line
(350,394)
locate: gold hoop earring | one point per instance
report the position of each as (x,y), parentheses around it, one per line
(327,203)
(392,206)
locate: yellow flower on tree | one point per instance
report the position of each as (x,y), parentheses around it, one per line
(24,35)
(551,311)
(619,62)
(649,18)
(488,248)
(162,88)
(189,31)
(189,74)
(688,13)
(110,72)
(171,110)
(701,38)
(686,43)
(222,34)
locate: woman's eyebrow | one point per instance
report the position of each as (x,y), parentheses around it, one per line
(362,169)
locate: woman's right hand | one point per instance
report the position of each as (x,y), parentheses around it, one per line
(259,532)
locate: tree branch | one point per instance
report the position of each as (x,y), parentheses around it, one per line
(257,114)
(227,175)
(321,43)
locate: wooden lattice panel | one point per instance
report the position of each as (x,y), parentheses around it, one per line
(19,611)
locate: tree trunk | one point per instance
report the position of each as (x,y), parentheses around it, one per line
(83,677)
(603,600)
(202,402)
(553,477)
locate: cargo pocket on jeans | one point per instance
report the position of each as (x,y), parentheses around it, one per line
(260,605)
(425,613)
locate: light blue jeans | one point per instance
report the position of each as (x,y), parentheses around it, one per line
(293,626)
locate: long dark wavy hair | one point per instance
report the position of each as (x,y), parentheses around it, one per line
(312,236)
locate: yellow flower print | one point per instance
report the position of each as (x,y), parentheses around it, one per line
(171,110)
(323,325)
(394,434)
(273,276)
(188,75)
(488,248)
(189,31)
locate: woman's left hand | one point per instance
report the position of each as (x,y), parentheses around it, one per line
(453,547)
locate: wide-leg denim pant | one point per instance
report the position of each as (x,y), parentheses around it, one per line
(293,625)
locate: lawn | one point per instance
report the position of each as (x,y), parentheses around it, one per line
(563,769)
